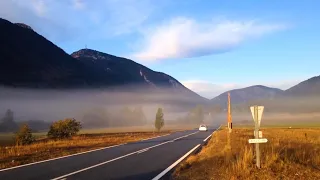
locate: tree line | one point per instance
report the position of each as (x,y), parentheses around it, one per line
(9,124)
(68,127)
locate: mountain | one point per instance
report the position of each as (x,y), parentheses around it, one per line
(122,71)
(309,87)
(301,98)
(31,61)
(247,94)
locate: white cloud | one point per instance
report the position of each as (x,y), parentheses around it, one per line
(78,4)
(185,37)
(210,90)
(61,20)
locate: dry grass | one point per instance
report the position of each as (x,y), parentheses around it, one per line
(288,154)
(47,149)
(7,139)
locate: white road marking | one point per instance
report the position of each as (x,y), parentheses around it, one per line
(211,134)
(143,150)
(207,137)
(175,163)
(29,164)
(60,178)
(136,152)
(1,170)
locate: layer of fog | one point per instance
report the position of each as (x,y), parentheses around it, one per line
(52,105)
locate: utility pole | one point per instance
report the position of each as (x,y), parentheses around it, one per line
(229,116)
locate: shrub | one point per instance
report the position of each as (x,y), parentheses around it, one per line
(24,135)
(64,128)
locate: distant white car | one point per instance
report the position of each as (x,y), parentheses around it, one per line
(203,127)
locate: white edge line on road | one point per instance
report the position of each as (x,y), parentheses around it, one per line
(61,157)
(29,164)
(211,134)
(207,137)
(136,152)
(175,163)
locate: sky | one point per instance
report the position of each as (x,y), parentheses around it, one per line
(209,46)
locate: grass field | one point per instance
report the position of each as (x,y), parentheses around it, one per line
(289,154)
(87,140)
(7,139)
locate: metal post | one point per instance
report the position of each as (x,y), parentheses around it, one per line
(257,136)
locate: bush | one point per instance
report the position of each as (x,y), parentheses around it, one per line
(64,128)
(24,136)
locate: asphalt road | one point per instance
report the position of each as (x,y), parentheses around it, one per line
(139,160)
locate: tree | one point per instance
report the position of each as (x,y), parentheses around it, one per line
(96,117)
(8,116)
(126,116)
(7,123)
(159,122)
(24,135)
(196,115)
(139,116)
(64,128)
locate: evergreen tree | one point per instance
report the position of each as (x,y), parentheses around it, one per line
(7,123)
(159,122)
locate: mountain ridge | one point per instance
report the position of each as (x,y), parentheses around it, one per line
(29,60)
(243,95)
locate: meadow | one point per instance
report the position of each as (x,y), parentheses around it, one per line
(290,153)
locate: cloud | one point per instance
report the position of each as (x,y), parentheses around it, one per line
(185,37)
(68,20)
(210,90)
(78,4)
(39,7)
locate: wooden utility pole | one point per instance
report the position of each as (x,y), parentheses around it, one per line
(229,116)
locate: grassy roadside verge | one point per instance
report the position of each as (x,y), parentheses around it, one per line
(46,149)
(289,154)
(7,139)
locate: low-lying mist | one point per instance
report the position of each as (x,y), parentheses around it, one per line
(95,108)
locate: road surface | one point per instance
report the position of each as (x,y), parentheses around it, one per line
(147,159)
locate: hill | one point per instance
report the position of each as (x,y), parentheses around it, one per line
(28,60)
(309,87)
(244,95)
(301,98)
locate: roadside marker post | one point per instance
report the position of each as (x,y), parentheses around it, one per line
(256,112)
(229,116)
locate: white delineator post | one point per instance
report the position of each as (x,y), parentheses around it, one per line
(256,128)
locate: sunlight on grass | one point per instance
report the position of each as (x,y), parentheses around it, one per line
(289,154)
